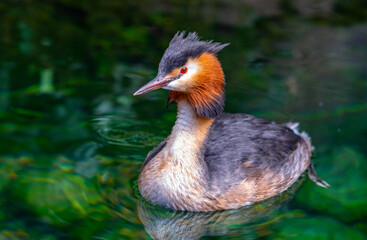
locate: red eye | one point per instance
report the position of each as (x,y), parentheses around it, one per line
(183,70)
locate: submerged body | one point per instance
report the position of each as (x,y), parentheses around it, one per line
(213,160)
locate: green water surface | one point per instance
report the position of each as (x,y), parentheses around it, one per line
(73,137)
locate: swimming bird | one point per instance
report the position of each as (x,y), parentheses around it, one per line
(214,160)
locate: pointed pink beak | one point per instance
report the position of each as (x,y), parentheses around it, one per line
(157,82)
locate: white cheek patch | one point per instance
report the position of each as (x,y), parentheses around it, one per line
(184,82)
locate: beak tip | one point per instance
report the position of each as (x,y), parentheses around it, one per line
(156,83)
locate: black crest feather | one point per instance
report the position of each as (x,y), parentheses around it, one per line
(182,48)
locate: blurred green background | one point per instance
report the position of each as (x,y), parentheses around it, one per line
(73,138)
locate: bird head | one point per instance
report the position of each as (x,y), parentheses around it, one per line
(191,71)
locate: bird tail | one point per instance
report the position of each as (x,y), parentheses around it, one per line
(311,170)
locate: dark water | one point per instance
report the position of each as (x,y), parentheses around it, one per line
(73,138)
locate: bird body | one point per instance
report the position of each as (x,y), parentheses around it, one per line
(214,160)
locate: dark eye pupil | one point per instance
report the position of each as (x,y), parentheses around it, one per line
(183,70)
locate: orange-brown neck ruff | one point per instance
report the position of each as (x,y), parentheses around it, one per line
(206,96)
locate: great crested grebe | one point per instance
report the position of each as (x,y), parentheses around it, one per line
(214,160)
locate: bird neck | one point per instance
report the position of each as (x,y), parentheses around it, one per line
(188,134)
(179,170)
